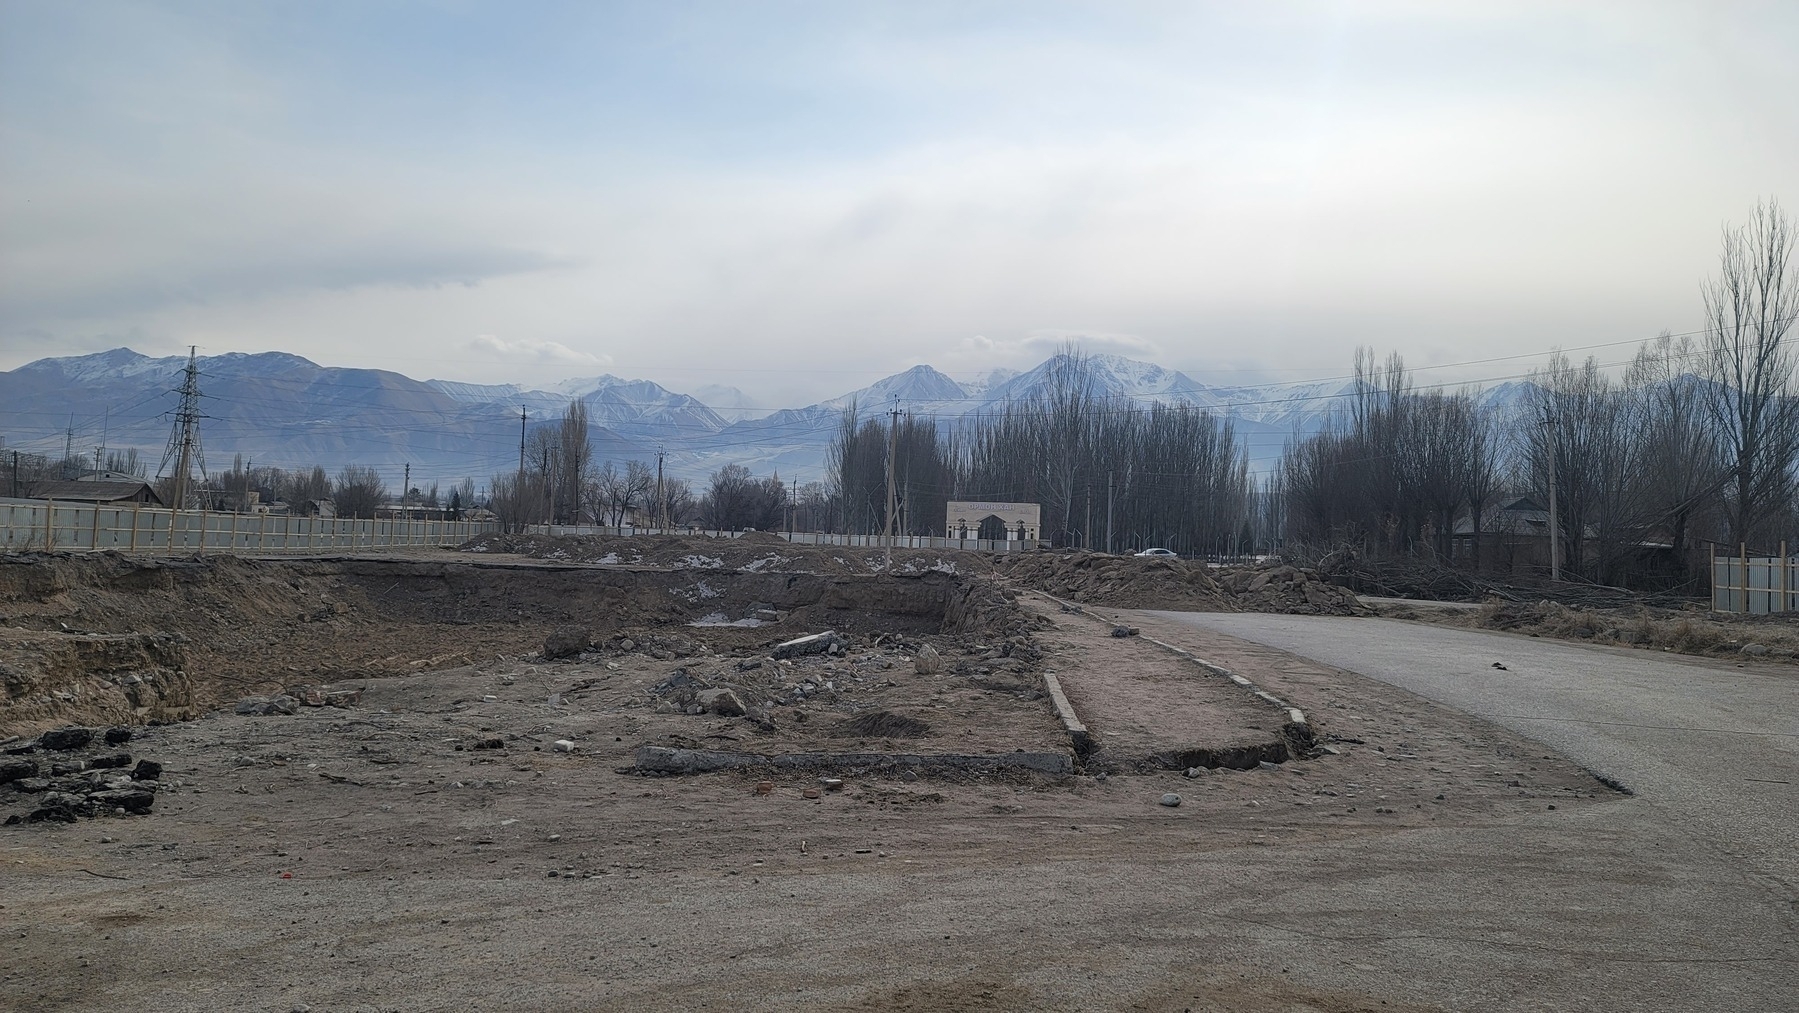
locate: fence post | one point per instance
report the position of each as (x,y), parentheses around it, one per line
(1743,550)
(1782,564)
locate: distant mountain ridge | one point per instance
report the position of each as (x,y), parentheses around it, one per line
(282,409)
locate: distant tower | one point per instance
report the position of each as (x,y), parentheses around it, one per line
(184,440)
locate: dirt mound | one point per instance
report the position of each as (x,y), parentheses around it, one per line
(1098,578)
(755,551)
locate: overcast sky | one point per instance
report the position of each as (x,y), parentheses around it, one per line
(796,198)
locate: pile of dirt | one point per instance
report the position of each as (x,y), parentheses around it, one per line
(756,551)
(1289,589)
(1097,578)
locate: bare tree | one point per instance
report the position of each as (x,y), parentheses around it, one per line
(1681,468)
(1749,307)
(359,491)
(575,457)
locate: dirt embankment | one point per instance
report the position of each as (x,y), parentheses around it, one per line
(1097,578)
(754,552)
(1094,578)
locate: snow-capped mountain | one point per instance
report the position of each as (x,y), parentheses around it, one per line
(278,408)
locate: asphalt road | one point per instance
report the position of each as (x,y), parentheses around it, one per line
(1710,751)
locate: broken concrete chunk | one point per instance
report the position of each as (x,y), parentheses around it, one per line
(817,643)
(16,770)
(110,760)
(66,738)
(133,799)
(722,702)
(146,770)
(928,661)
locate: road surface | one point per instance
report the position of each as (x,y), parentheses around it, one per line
(1710,751)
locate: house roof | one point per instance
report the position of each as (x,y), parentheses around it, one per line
(97,492)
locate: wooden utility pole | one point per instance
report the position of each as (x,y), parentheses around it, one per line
(892,453)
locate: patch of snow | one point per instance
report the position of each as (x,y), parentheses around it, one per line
(696,562)
(757,565)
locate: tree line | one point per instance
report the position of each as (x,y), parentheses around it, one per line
(1696,441)
(1102,472)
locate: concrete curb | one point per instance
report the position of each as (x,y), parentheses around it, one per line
(672,760)
(1071,722)
(1297,729)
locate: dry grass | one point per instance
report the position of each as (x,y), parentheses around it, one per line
(1707,634)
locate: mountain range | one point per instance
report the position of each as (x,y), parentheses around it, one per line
(281,409)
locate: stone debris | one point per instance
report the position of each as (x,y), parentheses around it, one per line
(567,642)
(65,738)
(563,746)
(325,696)
(76,786)
(268,706)
(827,642)
(722,702)
(927,661)
(1171,800)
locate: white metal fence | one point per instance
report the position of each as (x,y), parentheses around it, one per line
(46,525)
(800,537)
(1757,585)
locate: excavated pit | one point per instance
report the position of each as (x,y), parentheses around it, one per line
(105,638)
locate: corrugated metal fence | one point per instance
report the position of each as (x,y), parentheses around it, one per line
(46,525)
(1757,585)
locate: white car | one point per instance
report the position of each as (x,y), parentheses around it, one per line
(1163,553)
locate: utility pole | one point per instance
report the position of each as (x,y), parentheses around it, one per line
(68,449)
(1108,511)
(661,501)
(892,453)
(406,489)
(518,490)
(1555,523)
(1087,532)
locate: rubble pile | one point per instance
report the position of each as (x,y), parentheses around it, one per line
(754,552)
(1159,582)
(837,679)
(1289,589)
(69,773)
